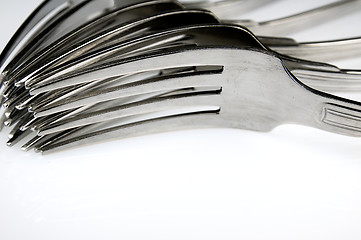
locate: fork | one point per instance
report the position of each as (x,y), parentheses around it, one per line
(191,92)
(237,87)
(195,16)
(22,100)
(62,21)
(38,108)
(32,63)
(247,100)
(63,16)
(50,63)
(37,80)
(69,29)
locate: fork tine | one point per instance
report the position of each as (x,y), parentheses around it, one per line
(80,131)
(173,58)
(140,127)
(207,98)
(34,44)
(94,107)
(18,125)
(39,141)
(73,66)
(33,122)
(14,116)
(37,20)
(93,86)
(60,95)
(105,31)
(34,102)
(159,22)
(43,141)
(34,141)
(51,138)
(159,84)
(17,137)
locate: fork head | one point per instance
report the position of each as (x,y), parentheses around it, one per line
(54,22)
(205,90)
(231,91)
(236,96)
(233,86)
(206,76)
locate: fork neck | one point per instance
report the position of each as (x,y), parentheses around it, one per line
(327,112)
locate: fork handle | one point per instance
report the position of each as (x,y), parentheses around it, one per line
(320,51)
(342,81)
(303,20)
(332,113)
(342,119)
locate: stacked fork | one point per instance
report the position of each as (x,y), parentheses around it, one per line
(75,72)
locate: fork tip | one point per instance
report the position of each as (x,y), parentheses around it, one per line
(38,150)
(8,122)
(25,148)
(9,143)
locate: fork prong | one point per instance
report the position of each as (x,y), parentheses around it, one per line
(17,137)
(90,87)
(91,35)
(11,90)
(42,36)
(14,116)
(2,119)
(16,98)
(123,44)
(176,58)
(32,142)
(153,105)
(17,127)
(104,105)
(43,141)
(95,57)
(135,128)
(33,122)
(160,84)
(41,16)
(33,32)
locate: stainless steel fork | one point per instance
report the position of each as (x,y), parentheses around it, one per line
(52,64)
(234,86)
(19,99)
(93,85)
(257,93)
(55,18)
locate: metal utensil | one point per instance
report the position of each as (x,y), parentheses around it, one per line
(232,91)
(75,94)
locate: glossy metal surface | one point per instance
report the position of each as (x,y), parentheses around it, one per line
(127,65)
(236,94)
(303,20)
(313,16)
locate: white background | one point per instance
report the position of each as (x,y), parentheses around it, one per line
(292,183)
